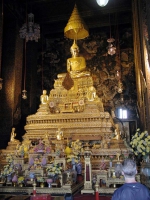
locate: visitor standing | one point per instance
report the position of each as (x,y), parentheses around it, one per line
(131,190)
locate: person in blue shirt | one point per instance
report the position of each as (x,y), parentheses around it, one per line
(131,190)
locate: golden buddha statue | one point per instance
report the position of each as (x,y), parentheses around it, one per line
(117,132)
(44,97)
(13,135)
(44,106)
(76,65)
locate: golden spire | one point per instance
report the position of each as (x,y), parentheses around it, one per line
(76,28)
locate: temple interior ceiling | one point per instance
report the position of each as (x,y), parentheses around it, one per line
(53,15)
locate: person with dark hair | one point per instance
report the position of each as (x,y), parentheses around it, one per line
(131,190)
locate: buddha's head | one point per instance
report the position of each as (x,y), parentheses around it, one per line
(74,49)
(44,92)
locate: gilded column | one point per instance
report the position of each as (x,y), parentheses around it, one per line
(138,61)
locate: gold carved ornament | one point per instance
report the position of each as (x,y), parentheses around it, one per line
(76,28)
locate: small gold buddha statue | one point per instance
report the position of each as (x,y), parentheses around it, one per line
(12,136)
(76,65)
(117,132)
(44,97)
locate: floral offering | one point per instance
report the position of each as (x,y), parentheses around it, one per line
(125,155)
(21,179)
(40,179)
(54,170)
(111,157)
(77,147)
(9,158)
(73,158)
(9,168)
(140,143)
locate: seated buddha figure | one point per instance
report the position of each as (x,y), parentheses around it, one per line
(12,136)
(44,97)
(76,65)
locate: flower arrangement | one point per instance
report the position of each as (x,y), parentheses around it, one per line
(21,179)
(9,158)
(111,157)
(125,155)
(20,150)
(9,168)
(40,179)
(76,147)
(72,158)
(140,143)
(54,170)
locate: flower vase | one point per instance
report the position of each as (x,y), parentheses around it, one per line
(49,181)
(146,159)
(9,178)
(74,173)
(79,168)
(110,164)
(109,173)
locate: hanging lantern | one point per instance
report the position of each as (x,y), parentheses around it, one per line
(30,30)
(120,87)
(111,47)
(102,3)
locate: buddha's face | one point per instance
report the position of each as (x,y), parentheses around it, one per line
(74,52)
(44,91)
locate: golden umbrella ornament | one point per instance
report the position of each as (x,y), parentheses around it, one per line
(76,28)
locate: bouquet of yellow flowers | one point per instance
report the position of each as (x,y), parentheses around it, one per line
(40,179)
(140,143)
(73,158)
(54,170)
(9,168)
(21,179)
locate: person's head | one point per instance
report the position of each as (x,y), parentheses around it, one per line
(129,168)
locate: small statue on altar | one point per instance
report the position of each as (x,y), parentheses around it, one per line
(117,132)
(91,93)
(40,147)
(46,139)
(13,135)
(44,97)
(104,143)
(59,134)
(102,165)
(76,65)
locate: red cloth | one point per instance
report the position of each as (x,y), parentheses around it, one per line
(41,197)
